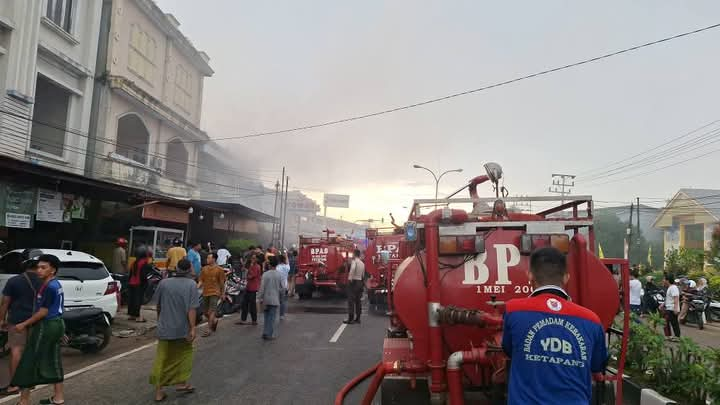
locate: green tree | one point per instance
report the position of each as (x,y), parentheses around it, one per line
(610,233)
(685,261)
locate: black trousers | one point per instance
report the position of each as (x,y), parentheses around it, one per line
(249,304)
(671,318)
(354,292)
(135,299)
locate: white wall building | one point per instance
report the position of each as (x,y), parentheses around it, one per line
(147,104)
(48,51)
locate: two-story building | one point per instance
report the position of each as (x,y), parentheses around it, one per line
(48,51)
(147,101)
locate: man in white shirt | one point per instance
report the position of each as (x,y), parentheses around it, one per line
(636,293)
(284,269)
(222,256)
(356,278)
(672,305)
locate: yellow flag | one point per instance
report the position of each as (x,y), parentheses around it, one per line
(650,256)
(601,255)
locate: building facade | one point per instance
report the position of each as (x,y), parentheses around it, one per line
(147,102)
(689,218)
(48,52)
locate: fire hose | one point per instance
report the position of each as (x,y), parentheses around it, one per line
(340,398)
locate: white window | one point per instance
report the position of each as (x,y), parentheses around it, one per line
(183,88)
(60,12)
(141,59)
(49,117)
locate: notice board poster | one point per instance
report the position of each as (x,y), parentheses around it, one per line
(49,206)
(17,206)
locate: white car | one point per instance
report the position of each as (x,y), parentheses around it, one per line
(85,280)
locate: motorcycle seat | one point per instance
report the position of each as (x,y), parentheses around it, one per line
(81,313)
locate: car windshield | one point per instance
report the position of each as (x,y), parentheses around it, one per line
(83,271)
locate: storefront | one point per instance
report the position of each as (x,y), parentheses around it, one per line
(46,208)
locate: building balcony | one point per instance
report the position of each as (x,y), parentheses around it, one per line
(125,171)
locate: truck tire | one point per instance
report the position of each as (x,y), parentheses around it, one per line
(304,293)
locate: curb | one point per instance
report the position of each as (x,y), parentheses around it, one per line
(651,397)
(637,395)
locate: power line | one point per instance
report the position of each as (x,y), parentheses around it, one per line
(464,93)
(699,142)
(587,172)
(117,144)
(660,168)
(112,143)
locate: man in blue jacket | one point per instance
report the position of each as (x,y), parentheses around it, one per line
(554,345)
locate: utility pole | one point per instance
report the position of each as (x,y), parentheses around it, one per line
(275,214)
(628,240)
(284,213)
(638,221)
(561,184)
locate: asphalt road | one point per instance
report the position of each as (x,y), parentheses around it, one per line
(236,366)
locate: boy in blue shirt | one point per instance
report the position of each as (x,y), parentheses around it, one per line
(41,362)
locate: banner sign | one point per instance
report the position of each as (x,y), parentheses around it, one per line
(13,220)
(336,200)
(166,213)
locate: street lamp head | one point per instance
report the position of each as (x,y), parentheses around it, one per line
(417,167)
(494,171)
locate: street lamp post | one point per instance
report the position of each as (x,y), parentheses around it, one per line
(437,178)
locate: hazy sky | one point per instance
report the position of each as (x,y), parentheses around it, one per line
(282,64)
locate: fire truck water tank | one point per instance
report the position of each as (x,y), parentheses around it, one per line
(488,280)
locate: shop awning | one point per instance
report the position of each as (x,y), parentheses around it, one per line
(238,209)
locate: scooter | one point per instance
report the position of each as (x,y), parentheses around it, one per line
(154,277)
(234,289)
(86,329)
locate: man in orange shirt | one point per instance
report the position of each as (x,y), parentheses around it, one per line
(212,282)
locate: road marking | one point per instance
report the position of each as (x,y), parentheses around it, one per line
(93,366)
(338,332)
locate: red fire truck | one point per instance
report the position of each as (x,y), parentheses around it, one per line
(444,341)
(322,264)
(383,241)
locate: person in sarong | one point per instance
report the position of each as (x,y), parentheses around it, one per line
(41,362)
(177,303)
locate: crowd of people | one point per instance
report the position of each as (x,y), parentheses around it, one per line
(676,295)
(192,286)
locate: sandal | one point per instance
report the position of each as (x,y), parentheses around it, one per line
(50,401)
(186,390)
(5,393)
(207,333)
(162,398)
(143,320)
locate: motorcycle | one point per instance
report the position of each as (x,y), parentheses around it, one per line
(86,329)
(697,306)
(713,311)
(153,279)
(235,286)
(654,300)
